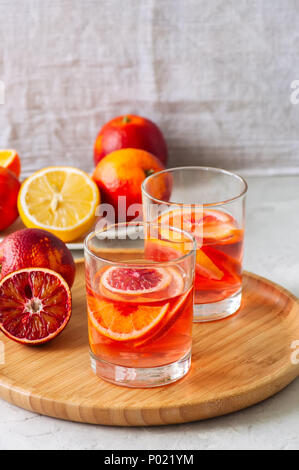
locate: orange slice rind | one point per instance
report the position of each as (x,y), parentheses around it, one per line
(168,320)
(206,267)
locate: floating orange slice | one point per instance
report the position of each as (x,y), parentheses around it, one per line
(123,321)
(164,250)
(206,267)
(134,280)
(137,285)
(205,224)
(10,160)
(208,226)
(169,319)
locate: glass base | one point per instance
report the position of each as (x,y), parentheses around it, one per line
(217,310)
(141,377)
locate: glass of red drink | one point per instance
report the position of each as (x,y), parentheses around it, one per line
(139,283)
(209,203)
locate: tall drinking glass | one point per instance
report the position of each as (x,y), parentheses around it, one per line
(209,203)
(139,282)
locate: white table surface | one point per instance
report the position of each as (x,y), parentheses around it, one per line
(272,250)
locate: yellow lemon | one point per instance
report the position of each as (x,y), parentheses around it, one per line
(62,200)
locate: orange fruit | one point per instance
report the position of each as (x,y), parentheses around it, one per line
(36,248)
(35,305)
(11,160)
(121,173)
(130,131)
(9,190)
(122,321)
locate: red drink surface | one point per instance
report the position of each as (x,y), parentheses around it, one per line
(147,326)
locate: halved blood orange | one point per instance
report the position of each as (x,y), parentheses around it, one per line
(123,321)
(135,280)
(35,305)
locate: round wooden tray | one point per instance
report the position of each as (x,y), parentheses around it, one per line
(237,362)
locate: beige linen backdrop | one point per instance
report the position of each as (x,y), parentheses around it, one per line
(215,75)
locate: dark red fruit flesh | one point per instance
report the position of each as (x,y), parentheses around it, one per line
(35,306)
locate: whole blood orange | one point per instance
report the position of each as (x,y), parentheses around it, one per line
(130,131)
(9,190)
(36,248)
(121,174)
(35,305)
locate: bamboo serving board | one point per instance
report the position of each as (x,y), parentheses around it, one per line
(237,362)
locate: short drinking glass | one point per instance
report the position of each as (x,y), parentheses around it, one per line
(209,203)
(139,282)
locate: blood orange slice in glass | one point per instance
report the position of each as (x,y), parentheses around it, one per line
(205,266)
(134,284)
(123,321)
(35,305)
(176,309)
(135,281)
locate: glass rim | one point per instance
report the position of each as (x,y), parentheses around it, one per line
(203,168)
(145,264)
